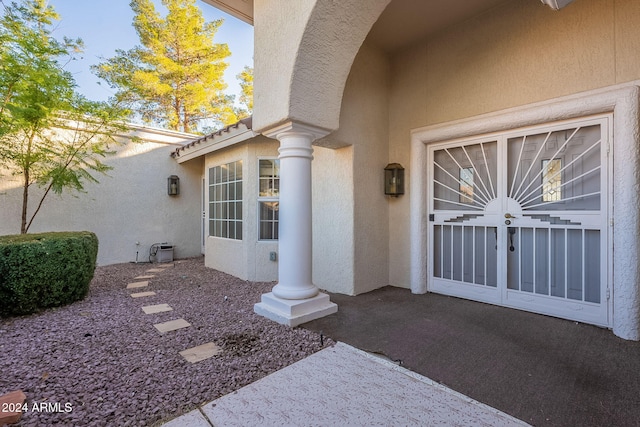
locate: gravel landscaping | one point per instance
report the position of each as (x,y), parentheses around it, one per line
(101,362)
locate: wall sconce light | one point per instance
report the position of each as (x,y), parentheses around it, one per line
(394,179)
(173,185)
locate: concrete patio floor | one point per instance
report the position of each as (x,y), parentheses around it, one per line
(543,370)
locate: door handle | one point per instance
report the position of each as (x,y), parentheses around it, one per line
(512,231)
(508,215)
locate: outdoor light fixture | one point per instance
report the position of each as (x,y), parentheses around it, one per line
(173,185)
(394,179)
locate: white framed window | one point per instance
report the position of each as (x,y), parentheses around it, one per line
(268,196)
(225,200)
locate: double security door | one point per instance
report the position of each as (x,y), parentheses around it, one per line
(520,219)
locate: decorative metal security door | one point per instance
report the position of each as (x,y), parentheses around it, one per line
(520,219)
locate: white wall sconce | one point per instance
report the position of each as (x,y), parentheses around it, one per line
(394,179)
(173,185)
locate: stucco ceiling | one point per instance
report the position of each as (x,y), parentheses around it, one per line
(402,22)
(406,21)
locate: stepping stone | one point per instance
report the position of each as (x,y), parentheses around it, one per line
(148,276)
(159,308)
(138,285)
(155,270)
(201,352)
(172,325)
(143,294)
(165,265)
(11,401)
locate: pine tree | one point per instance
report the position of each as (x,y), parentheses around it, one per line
(246,96)
(175,78)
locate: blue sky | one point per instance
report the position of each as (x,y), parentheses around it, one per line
(105,25)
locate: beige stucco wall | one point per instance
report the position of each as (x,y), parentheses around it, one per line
(248,258)
(350,211)
(295,57)
(129,205)
(332,211)
(364,122)
(516,54)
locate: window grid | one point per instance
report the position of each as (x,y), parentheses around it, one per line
(268,204)
(225,201)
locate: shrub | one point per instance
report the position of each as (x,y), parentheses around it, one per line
(45,270)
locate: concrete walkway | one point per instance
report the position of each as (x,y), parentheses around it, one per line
(342,385)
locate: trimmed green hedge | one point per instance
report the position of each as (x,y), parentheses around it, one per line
(39,271)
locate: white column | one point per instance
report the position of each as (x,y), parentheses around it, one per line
(294,232)
(295,299)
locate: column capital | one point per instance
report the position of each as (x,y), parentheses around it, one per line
(292,128)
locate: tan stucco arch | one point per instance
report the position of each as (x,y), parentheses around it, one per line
(302,63)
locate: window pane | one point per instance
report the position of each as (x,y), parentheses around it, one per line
(266,168)
(238,230)
(232,210)
(225,173)
(232,192)
(225,192)
(265,188)
(232,230)
(239,190)
(239,170)
(265,231)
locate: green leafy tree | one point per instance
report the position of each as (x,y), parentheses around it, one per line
(246,95)
(49,134)
(175,79)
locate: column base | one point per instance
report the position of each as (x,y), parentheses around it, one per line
(294,312)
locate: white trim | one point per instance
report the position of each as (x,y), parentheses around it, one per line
(213,143)
(625,106)
(260,199)
(312,132)
(204,214)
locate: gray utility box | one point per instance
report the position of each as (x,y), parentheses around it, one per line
(165,253)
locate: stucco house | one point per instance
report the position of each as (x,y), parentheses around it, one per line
(515,123)
(512,128)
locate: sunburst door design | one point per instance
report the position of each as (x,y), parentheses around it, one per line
(519,219)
